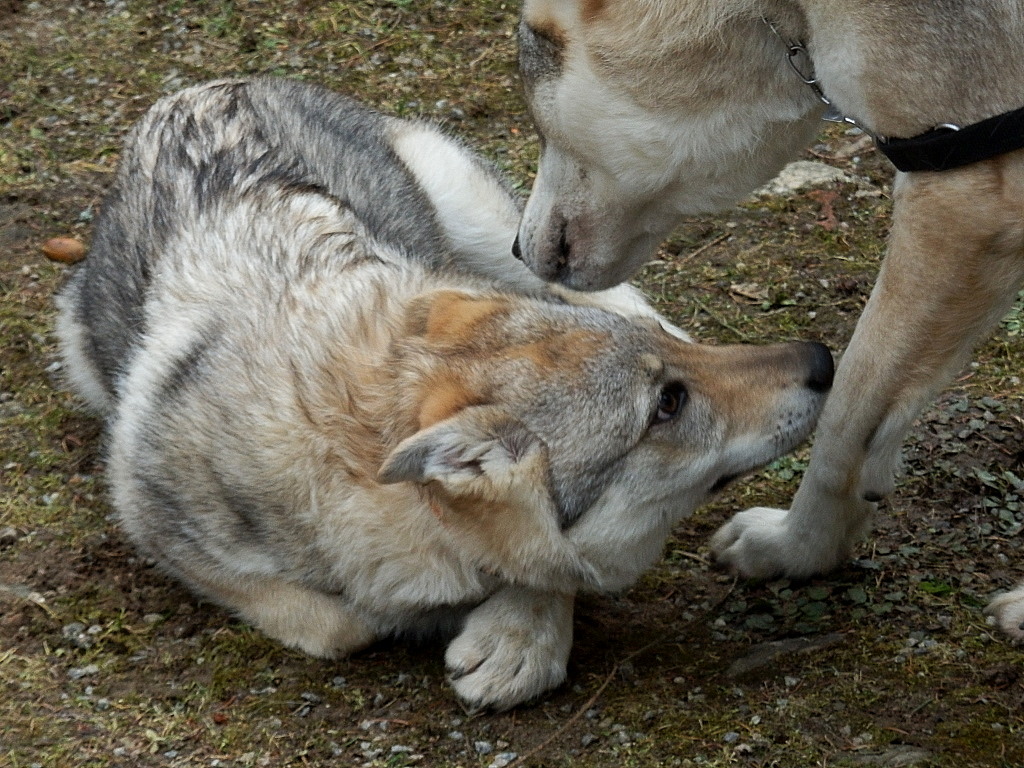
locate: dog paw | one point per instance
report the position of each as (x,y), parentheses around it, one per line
(758,544)
(1007,610)
(500,672)
(511,652)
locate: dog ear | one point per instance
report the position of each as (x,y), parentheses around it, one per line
(495,487)
(479,446)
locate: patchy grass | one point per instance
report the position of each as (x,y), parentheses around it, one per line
(105,663)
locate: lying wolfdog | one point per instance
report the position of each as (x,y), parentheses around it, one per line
(653,109)
(339,408)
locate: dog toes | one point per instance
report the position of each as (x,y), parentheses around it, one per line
(512,674)
(752,543)
(1007,611)
(461,670)
(494,665)
(764,543)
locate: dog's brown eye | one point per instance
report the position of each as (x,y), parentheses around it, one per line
(670,402)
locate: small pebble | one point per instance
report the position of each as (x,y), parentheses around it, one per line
(76,634)
(502,759)
(9,536)
(67,250)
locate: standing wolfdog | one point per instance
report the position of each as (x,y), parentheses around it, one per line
(337,407)
(654,109)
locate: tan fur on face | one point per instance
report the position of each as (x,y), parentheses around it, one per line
(565,352)
(458,320)
(454,316)
(590,10)
(443,399)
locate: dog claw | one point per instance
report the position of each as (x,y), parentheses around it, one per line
(456,673)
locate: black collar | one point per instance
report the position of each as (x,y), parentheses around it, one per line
(947,147)
(942,148)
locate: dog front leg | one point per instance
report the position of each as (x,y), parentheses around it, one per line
(513,647)
(954,265)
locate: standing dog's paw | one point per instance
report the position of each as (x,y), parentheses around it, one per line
(511,650)
(759,544)
(1008,611)
(755,544)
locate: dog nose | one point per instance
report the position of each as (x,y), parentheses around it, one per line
(822,367)
(516,250)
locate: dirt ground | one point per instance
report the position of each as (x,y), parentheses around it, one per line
(103,662)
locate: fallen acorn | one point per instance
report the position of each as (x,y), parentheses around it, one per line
(64,249)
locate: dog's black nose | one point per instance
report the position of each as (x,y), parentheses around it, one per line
(822,367)
(516,250)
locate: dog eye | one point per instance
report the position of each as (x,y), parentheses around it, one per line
(670,402)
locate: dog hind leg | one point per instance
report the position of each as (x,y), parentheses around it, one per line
(477,213)
(315,623)
(952,270)
(480,217)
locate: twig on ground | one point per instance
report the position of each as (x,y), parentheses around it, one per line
(521,759)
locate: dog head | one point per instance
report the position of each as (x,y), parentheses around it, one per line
(647,111)
(568,440)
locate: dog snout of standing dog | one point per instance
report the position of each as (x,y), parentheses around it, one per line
(562,252)
(557,253)
(549,254)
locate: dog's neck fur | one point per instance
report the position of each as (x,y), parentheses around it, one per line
(364,397)
(721,47)
(860,57)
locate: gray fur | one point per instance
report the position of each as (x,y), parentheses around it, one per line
(284,133)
